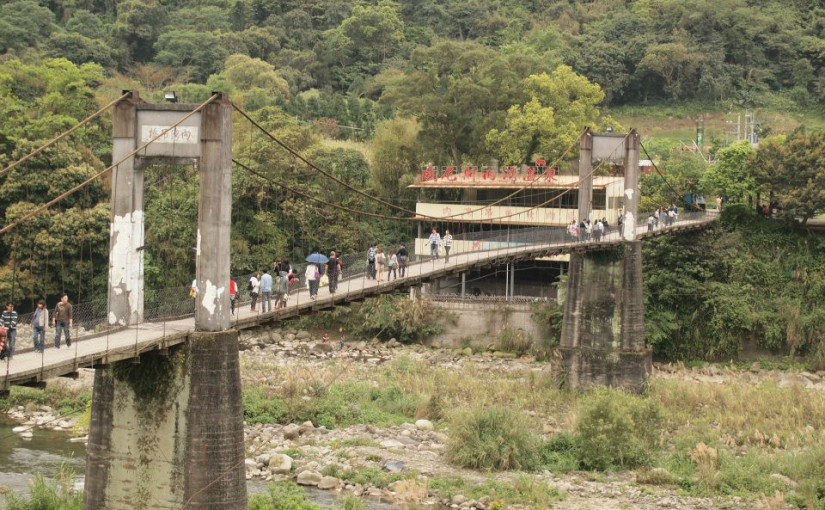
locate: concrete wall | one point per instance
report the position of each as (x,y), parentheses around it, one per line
(482,322)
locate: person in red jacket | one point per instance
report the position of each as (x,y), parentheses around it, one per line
(233,294)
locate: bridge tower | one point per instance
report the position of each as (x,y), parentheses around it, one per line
(603,340)
(167,428)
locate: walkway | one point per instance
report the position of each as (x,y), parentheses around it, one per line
(129,343)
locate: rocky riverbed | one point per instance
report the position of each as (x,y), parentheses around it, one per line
(402,463)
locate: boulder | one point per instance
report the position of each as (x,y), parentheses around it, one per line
(424,425)
(303,335)
(291,431)
(312,478)
(329,482)
(393,466)
(392,443)
(280,464)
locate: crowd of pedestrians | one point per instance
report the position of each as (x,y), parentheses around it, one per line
(61,320)
(662,217)
(588,231)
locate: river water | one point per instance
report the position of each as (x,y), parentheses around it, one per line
(47,451)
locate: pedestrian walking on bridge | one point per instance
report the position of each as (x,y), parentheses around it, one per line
(435,240)
(62,321)
(448,244)
(9,321)
(40,322)
(266,292)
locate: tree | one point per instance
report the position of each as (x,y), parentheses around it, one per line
(675,63)
(732,176)
(396,154)
(683,171)
(458,91)
(794,170)
(200,54)
(561,105)
(24,24)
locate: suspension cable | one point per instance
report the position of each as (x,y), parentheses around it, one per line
(662,175)
(379,200)
(63,135)
(91,179)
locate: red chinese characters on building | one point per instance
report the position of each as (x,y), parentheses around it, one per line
(449,173)
(489,175)
(470,173)
(476,245)
(531,174)
(428,173)
(509,173)
(488,212)
(550,175)
(447,211)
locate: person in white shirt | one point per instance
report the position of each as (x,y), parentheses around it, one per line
(435,240)
(312,275)
(448,243)
(254,290)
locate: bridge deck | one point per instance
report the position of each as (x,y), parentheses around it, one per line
(128,343)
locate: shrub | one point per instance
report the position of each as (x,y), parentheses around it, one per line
(548,316)
(513,340)
(492,438)
(559,453)
(48,494)
(282,496)
(260,408)
(615,429)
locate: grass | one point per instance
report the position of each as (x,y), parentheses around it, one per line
(58,494)
(756,429)
(522,491)
(61,399)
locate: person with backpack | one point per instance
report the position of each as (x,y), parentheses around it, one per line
(371,261)
(283,287)
(62,321)
(9,322)
(254,288)
(392,266)
(312,275)
(333,271)
(380,262)
(403,257)
(434,240)
(447,241)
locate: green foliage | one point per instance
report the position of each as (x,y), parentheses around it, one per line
(732,177)
(763,282)
(615,429)
(336,405)
(792,169)
(510,339)
(46,494)
(548,316)
(384,317)
(492,438)
(282,496)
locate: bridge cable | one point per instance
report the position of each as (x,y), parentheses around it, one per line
(63,135)
(88,181)
(677,195)
(397,218)
(379,200)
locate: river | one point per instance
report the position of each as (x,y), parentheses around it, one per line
(48,450)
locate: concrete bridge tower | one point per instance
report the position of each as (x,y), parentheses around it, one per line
(603,339)
(167,428)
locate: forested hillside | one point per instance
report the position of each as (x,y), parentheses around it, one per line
(370,91)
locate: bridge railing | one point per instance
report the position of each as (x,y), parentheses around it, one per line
(91,317)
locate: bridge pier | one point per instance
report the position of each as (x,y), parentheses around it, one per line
(168,432)
(603,335)
(602,340)
(162,430)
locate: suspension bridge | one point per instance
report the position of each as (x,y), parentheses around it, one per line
(195,411)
